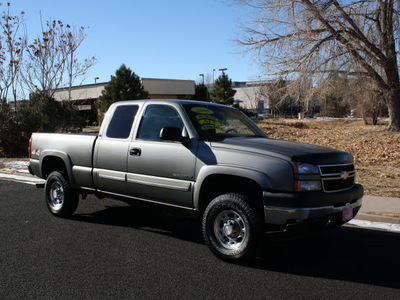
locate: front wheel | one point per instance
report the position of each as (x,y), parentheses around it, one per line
(231,228)
(61,199)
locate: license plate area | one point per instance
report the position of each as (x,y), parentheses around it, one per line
(347,213)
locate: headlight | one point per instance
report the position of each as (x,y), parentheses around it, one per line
(305,169)
(306,177)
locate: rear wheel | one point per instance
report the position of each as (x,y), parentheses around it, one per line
(61,199)
(231,228)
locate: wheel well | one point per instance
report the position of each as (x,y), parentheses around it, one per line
(216,185)
(52,163)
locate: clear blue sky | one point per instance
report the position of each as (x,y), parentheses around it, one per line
(176,39)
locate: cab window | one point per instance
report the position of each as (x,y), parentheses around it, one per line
(121,123)
(155,118)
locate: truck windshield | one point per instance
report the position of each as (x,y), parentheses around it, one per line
(216,123)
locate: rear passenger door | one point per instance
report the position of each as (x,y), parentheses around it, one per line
(160,170)
(110,157)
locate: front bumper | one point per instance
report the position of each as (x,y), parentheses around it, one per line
(298,208)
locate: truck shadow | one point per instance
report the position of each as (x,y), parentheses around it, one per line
(348,253)
(153,218)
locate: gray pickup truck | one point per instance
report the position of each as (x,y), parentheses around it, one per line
(203,157)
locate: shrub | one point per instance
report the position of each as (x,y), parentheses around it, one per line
(41,113)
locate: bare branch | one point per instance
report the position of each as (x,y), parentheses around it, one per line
(318,36)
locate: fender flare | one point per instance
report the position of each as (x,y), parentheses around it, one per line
(260,178)
(61,155)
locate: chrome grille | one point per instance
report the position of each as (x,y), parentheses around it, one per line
(336,178)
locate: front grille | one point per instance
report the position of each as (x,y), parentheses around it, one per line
(336,178)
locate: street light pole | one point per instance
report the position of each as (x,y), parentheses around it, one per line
(213,77)
(95,79)
(202,75)
(223,70)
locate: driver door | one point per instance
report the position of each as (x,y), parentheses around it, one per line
(159,170)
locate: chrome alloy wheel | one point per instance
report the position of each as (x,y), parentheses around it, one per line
(56,195)
(230,229)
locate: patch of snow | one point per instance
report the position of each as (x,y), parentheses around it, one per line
(17,166)
(25,179)
(376,225)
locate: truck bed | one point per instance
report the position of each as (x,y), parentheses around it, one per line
(78,146)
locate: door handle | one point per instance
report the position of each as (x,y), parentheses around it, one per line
(135,151)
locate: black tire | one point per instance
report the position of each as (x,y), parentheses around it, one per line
(231,228)
(61,199)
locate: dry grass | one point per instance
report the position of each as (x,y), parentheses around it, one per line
(376,151)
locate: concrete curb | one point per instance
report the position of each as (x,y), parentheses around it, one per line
(377,218)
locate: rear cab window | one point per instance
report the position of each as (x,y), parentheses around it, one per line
(121,123)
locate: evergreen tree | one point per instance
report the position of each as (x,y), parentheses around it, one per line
(201,93)
(125,85)
(223,92)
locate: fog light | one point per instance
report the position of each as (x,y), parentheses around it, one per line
(307,186)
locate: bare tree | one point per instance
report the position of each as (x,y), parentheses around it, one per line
(273,93)
(320,36)
(12,44)
(52,60)
(253,93)
(300,91)
(45,66)
(282,94)
(74,38)
(366,99)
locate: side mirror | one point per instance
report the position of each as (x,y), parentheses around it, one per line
(173,134)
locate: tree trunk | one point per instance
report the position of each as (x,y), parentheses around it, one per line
(70,76)
(393,103)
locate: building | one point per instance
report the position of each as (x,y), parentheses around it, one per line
(255,96)
(85,96)
(249,95)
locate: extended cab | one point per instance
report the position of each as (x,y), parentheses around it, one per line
(203,157)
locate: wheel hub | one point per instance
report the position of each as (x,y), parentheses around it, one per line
(230,229)
(57,194)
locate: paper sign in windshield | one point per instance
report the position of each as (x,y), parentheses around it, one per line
(202,110)
(205,118)
(207,124)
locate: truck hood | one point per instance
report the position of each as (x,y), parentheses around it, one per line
(291,151)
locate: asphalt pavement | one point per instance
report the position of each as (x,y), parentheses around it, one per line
(111,250)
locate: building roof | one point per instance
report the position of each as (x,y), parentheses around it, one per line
(154,86)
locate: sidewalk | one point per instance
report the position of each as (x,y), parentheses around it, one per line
(374,209)
(380,209)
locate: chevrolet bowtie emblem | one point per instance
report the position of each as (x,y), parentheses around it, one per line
(344,175)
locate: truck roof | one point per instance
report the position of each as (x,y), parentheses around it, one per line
(167,101)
